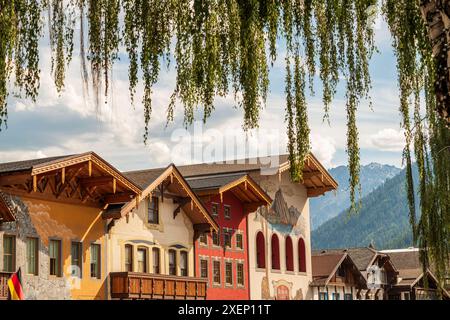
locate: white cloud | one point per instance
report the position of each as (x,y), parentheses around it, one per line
(388,140)
(323,148)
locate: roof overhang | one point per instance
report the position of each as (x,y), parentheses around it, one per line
(245,189)
(171,180)
(316,178)
(85,179)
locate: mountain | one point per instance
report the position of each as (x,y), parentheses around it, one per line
(328,206)
(382,220)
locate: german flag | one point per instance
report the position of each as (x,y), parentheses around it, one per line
(15,286)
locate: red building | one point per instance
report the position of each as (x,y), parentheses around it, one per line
(223,257)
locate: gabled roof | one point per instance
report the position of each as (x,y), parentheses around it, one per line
(363,257)
(6,208)
(325,265)
(26,165)
(151,179)
(83,178)
(316,178)
(241,185)
(44,165)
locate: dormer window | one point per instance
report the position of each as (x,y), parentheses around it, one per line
(153,210)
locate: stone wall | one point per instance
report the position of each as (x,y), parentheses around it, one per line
(42,286)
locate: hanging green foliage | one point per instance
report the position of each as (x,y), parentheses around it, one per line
(222,47)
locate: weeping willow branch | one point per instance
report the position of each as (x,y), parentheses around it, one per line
(222,47)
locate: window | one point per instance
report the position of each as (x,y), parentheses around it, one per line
(336,296)
(216,239)
(55,257)
(76,259)
(32,255)
(239,241)
(323,296)
(275,252)
(153,210)
(203,239)
(227,238)
(240,274)
(289,255)
(184,263)
(203,268)
(228,273)
(172,262)
(214,209)
(406,296)
(260,250)
(216,272)
(156,259)
(348,296)
(128,258)
(301,256)
(227,212)
(95,261)
(142,260)
(9,253)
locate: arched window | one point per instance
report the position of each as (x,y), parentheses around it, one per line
(275,252)
(301,256)
(260,251)
(289,254)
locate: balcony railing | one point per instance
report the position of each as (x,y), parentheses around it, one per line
(135,285)
(4,291)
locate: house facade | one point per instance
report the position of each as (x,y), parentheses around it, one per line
(335,277)
(410,283)
(375,266)
(57,237)
(222,257)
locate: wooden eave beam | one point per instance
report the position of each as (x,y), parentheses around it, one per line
(118,197)
(96,181)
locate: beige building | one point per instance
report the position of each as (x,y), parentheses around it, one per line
(151,241)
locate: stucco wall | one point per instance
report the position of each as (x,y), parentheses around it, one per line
(51,220)
(135,230)
(263,282)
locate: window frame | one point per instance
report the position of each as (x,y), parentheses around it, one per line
(80,258)
(13,253)
(184,270)
(36,256)
(214,205)
(218,238)
(241,236)
(153,205)
(225,215)
(260,250)
(218,262)
(174,267)
(203,236)
(227,234)
(128,265)
(158,250)
(145,266)
(58,259)
(98,260)
(203,260)
(240,264)
(228,276)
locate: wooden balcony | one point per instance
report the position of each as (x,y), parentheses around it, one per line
(4,291)
(135,285)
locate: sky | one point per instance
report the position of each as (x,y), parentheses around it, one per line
(68,123)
